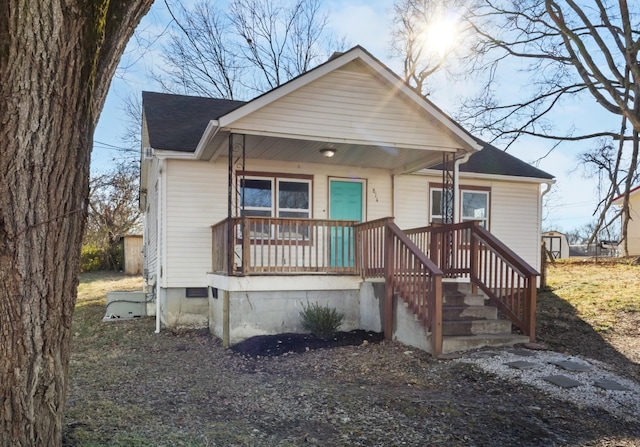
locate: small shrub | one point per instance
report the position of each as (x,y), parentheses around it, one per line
(91,259)
(321,321)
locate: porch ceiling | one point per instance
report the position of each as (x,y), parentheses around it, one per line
(395,159)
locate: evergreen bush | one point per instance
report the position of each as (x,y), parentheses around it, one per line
(321,321)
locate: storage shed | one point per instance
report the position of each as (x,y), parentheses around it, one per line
(132,254)
(556,243)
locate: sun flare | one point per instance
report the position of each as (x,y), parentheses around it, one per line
(441,35)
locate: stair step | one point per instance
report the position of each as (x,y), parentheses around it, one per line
(466,342)
(473,327)
(462,287)
(460,299)
(480,312)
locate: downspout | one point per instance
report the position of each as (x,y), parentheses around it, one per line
(456,185)
(541,280)
(549,184)
(159,199)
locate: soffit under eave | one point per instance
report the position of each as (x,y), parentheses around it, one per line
(394,159)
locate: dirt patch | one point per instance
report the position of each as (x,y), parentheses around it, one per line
(277,345)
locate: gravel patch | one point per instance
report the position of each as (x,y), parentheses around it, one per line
(621,403)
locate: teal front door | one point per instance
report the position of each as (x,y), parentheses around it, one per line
(345,203)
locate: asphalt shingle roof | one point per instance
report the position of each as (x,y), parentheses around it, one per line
(176,122)
(491,160)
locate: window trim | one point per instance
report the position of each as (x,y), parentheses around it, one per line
(275,178)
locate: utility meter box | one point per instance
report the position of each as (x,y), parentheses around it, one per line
(125,305)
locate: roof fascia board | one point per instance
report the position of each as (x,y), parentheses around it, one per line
(619,201)
(496,177)
(324,139)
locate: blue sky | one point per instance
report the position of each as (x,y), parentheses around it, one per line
(368,23)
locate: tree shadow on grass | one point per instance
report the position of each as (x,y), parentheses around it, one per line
(561,328)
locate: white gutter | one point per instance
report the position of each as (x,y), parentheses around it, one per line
(494,177)
(209,133)
(456,182)
(158,242)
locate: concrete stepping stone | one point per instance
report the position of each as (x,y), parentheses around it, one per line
(572,366)
(521,364)
(484,354)
(562,381)
(522,352)
(607,384)
(536,346)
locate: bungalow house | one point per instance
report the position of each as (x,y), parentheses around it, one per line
(344,187)
(633,231)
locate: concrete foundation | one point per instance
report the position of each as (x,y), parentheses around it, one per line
(177,311)
(272,305)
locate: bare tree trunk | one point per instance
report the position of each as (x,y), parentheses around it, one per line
(626,210)
(56,61)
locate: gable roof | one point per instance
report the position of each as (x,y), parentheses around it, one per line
(338,60)
(189,123)
(176,122)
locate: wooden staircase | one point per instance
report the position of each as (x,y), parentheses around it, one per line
(469,321)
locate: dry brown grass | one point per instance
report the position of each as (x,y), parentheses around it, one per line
(132,387)
(593,309)
(602,293)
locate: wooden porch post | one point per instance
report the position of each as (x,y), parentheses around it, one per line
(474,264)
(436,318)
(433,247)
(388,289)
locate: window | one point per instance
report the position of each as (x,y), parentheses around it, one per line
(197,292)
(474,206)
(257,197)
(275,197)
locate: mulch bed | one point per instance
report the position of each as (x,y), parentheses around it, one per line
(277,345)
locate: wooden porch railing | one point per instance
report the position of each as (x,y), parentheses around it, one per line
(408,272)
(417,280)
(268,245)
(468,250)
(370,238)
(272,245)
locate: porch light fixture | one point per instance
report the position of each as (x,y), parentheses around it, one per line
(328,152)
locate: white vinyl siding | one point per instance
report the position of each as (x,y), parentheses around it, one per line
(411,194)
(197,198)
(515,217)
(514,210)
(151,222)
(353,104)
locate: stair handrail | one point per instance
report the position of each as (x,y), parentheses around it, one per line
(416,279)
(522,314)
(468,249)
